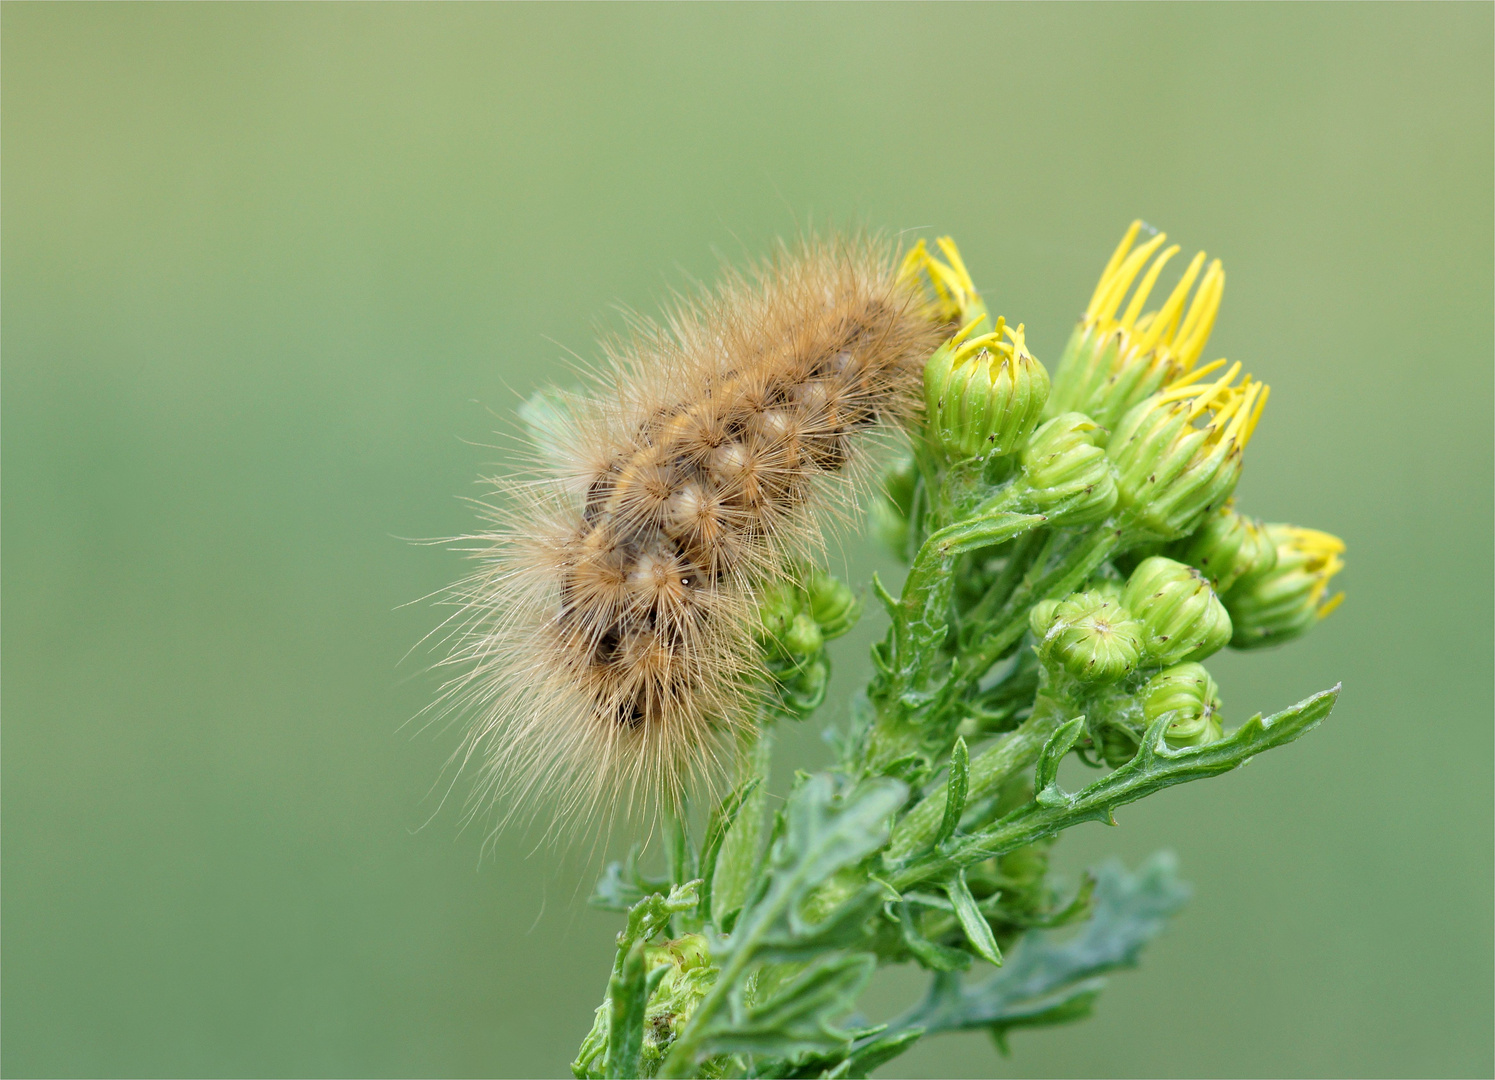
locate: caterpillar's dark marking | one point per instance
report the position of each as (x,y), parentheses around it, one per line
(607,651)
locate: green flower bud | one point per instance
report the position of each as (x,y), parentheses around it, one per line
(778,604)
(1106,589)
(1182,617)
(833,605)
(1178,454)
(1095,639)
(687,977)
(1227,547)
(984,395)
(1117,358)
(1068,474)
(1188,693)
(1040,618)
(1284,601)
(803,638)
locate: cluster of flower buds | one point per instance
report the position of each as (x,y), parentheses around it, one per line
(1165,614)
(1117,358)
(796,619)
(1135,433)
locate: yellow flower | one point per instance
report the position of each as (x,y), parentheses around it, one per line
(1116,357)
(955,299)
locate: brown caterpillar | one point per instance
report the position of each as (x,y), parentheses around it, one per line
(605,642)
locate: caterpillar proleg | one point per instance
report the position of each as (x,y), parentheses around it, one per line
(605,654)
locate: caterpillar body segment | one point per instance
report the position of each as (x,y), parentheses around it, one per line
(606,648)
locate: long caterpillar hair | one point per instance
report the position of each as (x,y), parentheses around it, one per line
(604,648)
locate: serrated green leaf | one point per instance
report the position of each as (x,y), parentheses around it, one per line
(717,828)
(1078,1005)
(885,598)
(628,995)
(1046,970)
(1153,768)
(818,833)
(614,891)
(844,928)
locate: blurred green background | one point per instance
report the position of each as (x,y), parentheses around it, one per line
(274,274)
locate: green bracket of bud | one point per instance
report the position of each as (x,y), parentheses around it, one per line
(1046,773)
(955,791)
(930,954)
(972,922)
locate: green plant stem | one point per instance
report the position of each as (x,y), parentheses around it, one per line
(913,670)
(1155,767)
(1011,622)
(989,770)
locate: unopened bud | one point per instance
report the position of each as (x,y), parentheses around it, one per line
(984,395)
(1179,612)
(1226,548)
(1067,471)
(778,604)
(833,605)
(1178,454)
(1095,639)
(1272,606)
(803,638)
(1189,694)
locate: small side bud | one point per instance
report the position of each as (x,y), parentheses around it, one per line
(803,638)
(984,395)
(778,604)
(1227,547)
(1040,618)
(1178,454)
(1094,638)
(1067,471)
(1189,694)
(1182,617)
(833,605)
(1285,601)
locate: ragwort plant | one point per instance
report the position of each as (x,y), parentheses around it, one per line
(1073,556)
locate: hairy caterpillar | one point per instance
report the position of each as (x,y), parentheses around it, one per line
(605,648)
